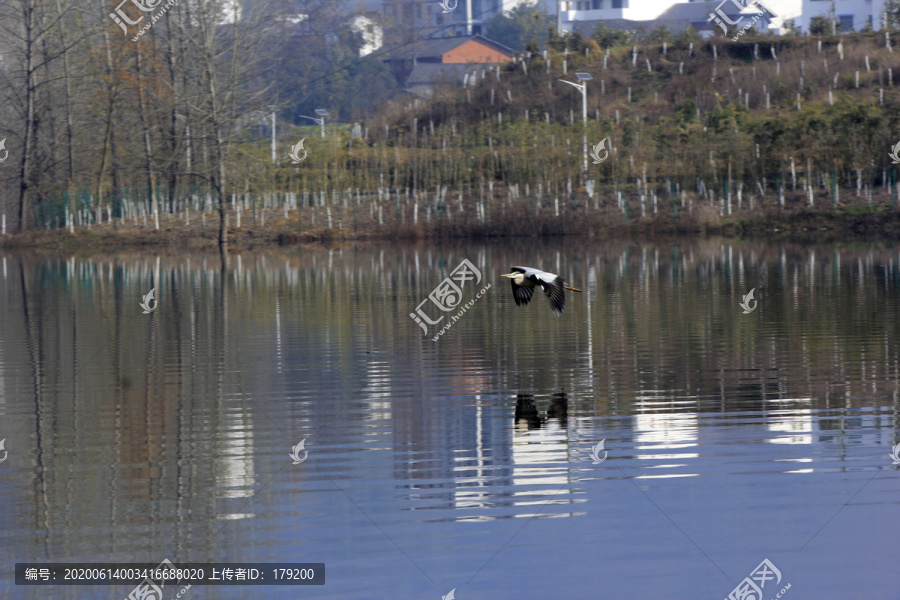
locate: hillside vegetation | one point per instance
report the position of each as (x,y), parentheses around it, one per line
(758,134)
(725,127)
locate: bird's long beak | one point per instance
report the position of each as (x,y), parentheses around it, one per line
(508,275)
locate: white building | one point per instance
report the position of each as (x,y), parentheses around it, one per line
(849,15)
(597,10)
(672,14)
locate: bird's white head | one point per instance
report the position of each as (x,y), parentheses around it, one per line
(517,277)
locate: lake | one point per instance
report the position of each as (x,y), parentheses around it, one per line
(740,447)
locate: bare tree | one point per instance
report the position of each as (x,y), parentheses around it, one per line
(20,22)
(221,51)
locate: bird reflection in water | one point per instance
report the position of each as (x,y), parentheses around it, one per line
(527,411)
(559,408)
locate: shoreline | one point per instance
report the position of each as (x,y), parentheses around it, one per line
(878,223)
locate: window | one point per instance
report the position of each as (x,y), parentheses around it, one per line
(598,4)
(845,23)
(620,3)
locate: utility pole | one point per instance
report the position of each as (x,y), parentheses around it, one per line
(559,17)
(272,108)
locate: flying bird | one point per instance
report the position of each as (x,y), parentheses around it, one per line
(525,279)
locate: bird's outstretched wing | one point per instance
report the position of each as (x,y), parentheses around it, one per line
(521,293)
(553,289)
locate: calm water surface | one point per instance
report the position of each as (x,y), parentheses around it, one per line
(463,463)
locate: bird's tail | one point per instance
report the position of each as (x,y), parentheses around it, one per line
(568,287)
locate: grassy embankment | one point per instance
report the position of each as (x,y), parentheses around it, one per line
(760,136)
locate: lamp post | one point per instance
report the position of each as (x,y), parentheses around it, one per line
(582,87)
(320,121)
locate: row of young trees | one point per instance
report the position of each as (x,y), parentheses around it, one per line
(785,121)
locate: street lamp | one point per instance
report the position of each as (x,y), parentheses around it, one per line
(582,87)
(320,121)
